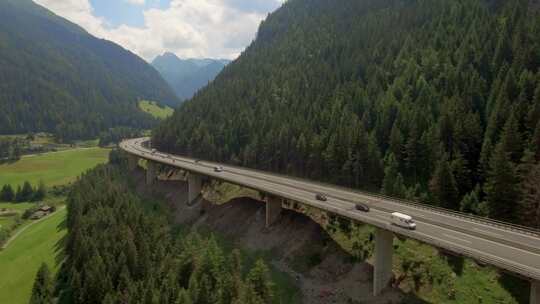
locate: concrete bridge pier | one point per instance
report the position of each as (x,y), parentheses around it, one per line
(194,186)
(273,209)
(535,292)
(133,162)
(151,172)
(382,272)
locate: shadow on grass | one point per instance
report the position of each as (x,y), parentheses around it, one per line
(457,263)
(61,243)
(411,298)
(519,288)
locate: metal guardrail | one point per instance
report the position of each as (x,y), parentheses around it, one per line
(443,211)
(461,250)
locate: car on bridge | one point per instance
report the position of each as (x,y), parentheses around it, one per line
(218,169)
(403,220)
(154,151)
(361,207)
(320,197)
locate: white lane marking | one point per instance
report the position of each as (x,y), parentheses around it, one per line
(456,238)
(487,232)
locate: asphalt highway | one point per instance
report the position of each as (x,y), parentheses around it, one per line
(508,247)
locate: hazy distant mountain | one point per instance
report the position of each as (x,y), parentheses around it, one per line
(56,77)
(187,76)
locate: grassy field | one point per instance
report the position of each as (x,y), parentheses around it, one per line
(20,261)
(55,168)
(152,108)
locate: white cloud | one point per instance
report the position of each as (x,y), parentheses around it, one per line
(189,28)
(136,2)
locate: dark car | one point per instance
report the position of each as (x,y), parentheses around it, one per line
(320,197)
(362,207)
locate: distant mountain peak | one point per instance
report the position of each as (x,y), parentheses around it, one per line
(187,76)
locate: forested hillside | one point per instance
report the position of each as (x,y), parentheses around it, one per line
(187,76)
(140,258)
(431,100)
(57,78)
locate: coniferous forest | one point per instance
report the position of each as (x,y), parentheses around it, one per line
(119,249)
(430,100)
(57,78)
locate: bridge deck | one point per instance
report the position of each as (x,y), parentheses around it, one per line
(509,247)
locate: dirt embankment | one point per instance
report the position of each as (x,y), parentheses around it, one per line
(300,247)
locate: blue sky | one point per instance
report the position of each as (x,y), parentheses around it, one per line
(188,28)
(121,12)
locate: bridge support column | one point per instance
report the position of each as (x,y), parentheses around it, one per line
(535,292)
(382,272)
(194,186)
(151,172)
(273,209)
(133,162)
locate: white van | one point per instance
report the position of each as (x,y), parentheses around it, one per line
(403,220)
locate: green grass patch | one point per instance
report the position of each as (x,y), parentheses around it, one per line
(20,261)
(7,221)
(157,111)
(54,168)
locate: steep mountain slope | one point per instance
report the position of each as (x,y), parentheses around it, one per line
(187,76)
(56,77)
(431,100)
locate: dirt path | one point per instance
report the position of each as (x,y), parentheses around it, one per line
(13,237)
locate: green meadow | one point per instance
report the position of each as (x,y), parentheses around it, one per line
(19,262)
(54,168)
(38,242)
(152,108)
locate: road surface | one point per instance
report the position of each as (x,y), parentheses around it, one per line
(512,248)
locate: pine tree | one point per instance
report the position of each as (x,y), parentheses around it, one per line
(26,193)
(18,195)
(501,186)
(392,184)
(443,185)
(528,209)
(40,192)
(7,194)
(259,279)
(471,203)
(511,139)
(42,290)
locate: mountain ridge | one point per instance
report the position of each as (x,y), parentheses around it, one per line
(187,76)
(72,84)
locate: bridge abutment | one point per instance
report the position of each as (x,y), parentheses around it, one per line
(535,292)
(194,186)
(151,172)
(273,209)
(384,249)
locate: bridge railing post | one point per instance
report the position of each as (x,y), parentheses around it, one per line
(382,271)
(535,292)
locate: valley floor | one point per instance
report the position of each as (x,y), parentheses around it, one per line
(19,262)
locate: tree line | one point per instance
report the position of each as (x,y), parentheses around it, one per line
(140,259)
(436,101)
(26,193)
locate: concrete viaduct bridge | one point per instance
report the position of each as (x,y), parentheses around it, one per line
(511,248)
